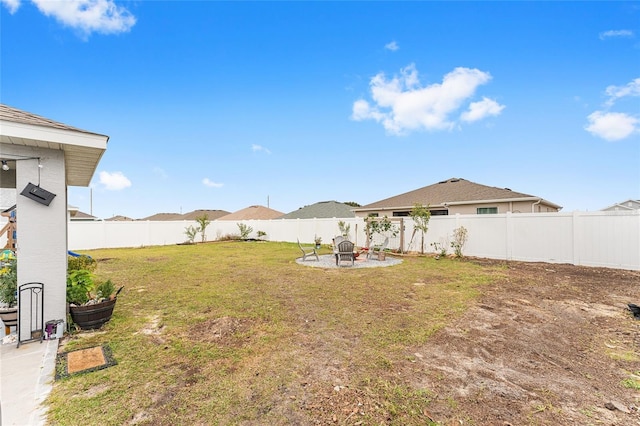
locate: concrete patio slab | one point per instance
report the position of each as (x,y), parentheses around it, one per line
(26,377)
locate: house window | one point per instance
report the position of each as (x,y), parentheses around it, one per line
(439,212)
(373,214)
(401,214)
(487,210)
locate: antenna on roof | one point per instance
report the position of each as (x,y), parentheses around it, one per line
(267,201)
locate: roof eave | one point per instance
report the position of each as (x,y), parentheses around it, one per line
(462,203)
(82,150)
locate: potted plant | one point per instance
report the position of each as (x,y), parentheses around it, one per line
(8,294)
(90,302)
(318,241)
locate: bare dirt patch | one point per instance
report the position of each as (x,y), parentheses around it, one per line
(547,344)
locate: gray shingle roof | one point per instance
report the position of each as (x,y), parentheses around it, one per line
(448,191)
(321,209)
(15,115)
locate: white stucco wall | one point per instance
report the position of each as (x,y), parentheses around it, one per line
(42,230)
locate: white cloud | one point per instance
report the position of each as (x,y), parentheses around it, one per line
(114,181)
(616,92)
(11,5)
(402,105)
(612,126)
(102,16)
(211,184)
(482,109)
(256,148)
(616,33)
(392,46)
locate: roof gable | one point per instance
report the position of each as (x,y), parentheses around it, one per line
(322,209)
(253,212)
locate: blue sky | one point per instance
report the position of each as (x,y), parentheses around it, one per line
(223,105)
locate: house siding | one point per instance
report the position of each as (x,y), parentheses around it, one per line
(42,230)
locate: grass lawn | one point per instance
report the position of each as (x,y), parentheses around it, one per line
(239,333)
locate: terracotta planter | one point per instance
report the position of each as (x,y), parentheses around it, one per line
(92,316)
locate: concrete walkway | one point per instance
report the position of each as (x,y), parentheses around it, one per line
(26,378)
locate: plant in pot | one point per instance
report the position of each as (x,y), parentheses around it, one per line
(91,302)
(318,241)
(8,294)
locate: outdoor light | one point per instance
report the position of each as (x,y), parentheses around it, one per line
(5,166)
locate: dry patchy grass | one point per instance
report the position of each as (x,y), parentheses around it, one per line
(238,333)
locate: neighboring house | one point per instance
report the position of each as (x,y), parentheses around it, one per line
(457,195)
(624,206)
(41,158)
(322,209)
(79,216)
(211,214)
(253,212)
(163,217)
(120,218)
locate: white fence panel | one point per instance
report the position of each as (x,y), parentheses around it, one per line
(606,239)
(609,239)
(535,237)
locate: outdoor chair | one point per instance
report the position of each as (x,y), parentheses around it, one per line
(307,252)
(337,240)
(375,250)
(344,252)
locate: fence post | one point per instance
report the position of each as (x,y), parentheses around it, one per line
(575,238)
(508,236)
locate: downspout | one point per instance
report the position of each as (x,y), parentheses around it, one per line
(534,204)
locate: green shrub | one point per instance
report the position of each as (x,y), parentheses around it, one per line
(81,262)
(105,289)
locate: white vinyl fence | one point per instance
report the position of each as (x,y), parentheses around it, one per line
(608,239)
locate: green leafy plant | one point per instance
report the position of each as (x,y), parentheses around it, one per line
(318,240)
(459,240)
(191,232)
(245,230)
(9,283)
(261,234)
(203,222)
(80,284)
(420,215)
(105,289)
(440,248)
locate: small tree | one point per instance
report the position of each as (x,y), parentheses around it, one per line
(344,228)
(245,230)
(375,225)
(191,232)
(420,215)
(459,240)
(203,222)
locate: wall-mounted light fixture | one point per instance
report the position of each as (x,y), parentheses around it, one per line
(34,192)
